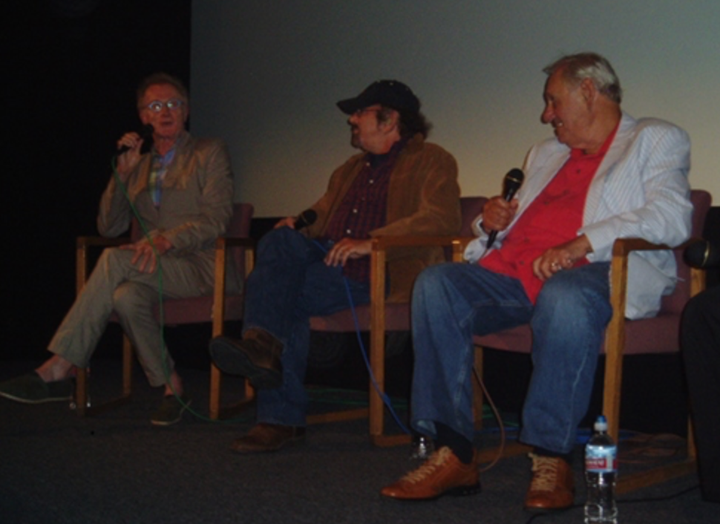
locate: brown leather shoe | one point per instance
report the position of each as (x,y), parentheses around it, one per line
(441,474)
(256,356)
(552,486)
(268,437)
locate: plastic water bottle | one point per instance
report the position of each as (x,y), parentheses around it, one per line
(600,476)
(422,447)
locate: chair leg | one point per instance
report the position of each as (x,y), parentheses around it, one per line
(127,366)
(82,386)
(376,406)
(478,397)
(217,410)
(215,385)
(691,449)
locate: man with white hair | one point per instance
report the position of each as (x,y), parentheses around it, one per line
(603,176)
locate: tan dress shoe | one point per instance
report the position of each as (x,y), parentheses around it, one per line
(441,474)
(268,437)
(552,486)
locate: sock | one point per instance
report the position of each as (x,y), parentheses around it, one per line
(460,446)
(567,457)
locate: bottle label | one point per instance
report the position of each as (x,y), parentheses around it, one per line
(600,458)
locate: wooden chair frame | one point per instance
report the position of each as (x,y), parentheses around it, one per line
(222,244)
(377,327)
(614,348)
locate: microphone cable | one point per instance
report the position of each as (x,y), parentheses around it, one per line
(161,311)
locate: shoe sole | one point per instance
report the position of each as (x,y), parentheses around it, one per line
(231,360)
(459,491)
(249,451)
(541,510)
(39,401)
(185,405)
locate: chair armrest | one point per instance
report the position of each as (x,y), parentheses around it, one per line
(381,244)
(622,248)
(96,241)
(236,242)
(82,247)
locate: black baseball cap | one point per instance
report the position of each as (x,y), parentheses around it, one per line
(389,93)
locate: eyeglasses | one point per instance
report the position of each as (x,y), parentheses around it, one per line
(360,112)
(173,104)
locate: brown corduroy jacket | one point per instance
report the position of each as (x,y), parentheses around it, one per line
(423,199)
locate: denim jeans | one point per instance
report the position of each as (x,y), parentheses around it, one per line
(289,284)
(451,302)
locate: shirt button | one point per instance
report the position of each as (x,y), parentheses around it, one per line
(371,181)
(354,211)
(348,231)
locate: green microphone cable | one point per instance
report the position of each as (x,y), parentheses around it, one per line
(161,312)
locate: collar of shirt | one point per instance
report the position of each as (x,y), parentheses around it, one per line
(376,161)
(579,153)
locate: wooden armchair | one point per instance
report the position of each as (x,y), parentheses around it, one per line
(235,249)
(654,335)
(379,316)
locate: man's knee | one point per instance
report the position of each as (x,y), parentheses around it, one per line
(574,293)
(282,242)
(130,297)
(433,276)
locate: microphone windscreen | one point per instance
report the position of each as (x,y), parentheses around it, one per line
(306,218)
(512,182)
(146,134)
(702,254)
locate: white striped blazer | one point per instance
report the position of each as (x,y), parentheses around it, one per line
(640,190)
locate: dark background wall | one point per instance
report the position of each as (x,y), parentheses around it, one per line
(70,69)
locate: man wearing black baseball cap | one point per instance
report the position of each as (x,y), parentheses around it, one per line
(398,184)
(389,93)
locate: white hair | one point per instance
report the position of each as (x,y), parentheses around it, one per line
(576,68)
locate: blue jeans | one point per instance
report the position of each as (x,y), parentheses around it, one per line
(451,302)
(289,284)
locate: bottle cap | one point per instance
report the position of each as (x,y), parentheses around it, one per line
(601,423)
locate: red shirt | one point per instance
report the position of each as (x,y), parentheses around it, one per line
(553,218)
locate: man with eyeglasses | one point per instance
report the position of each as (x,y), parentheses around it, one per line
(398,184)
(182,190)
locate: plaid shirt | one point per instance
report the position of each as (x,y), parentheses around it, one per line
(364,207)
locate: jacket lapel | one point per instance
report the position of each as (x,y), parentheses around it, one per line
(608,165)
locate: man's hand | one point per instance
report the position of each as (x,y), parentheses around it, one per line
(498,213)
(130,158)
(346,249)
(287,221)
(561,257)
(145,258)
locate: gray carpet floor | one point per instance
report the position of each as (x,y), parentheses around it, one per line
(118,468)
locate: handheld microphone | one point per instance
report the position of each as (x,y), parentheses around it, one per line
(702,254)
(306,218)
(511,183)
(145,133)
